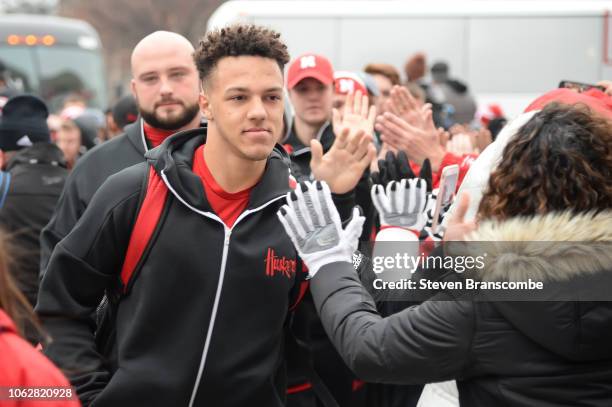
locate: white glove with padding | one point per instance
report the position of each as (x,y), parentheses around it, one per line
(313,224)
(401,205)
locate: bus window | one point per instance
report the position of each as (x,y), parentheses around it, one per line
(53,57)
(21,68)
(58,79)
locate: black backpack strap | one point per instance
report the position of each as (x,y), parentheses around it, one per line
(152,189)
(145,226)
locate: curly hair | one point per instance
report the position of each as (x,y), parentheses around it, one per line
(561,159)
(238,40)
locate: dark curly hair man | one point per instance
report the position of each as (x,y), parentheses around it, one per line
(200,318)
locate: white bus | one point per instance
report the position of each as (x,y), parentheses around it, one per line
(53,57)
(506,51)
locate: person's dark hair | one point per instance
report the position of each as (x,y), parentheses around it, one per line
(561,159)
(12,300)
(238,40)
(386,70)
(496,125)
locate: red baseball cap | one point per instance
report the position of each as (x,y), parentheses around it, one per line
(348,82)
(310,66)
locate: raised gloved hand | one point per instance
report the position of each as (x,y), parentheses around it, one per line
(402,203)
(400,196)
(313,224)
(397,167)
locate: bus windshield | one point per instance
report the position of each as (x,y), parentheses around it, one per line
(56,72)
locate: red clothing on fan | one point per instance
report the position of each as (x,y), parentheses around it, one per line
(156,136)
(23,366)
(594,98)
(463,161)
(226,205)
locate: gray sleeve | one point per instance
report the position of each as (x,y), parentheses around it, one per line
(425,343)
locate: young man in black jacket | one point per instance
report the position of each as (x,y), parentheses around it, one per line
(165,86)
(202,320)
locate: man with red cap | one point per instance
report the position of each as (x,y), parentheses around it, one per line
(310,82)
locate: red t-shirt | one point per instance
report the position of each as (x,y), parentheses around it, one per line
(156,136)
(226,205)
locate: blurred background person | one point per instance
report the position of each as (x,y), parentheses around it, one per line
(347,83)
(492,118)
(68,139)
(123,112)
(54,122)
(386,76)
(416,67)
(453,92)
(80,131)
(92,124)
(33,181)
(310,81)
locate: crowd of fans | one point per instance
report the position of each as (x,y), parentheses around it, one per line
(198,242)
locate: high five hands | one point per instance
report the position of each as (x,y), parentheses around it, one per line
(408,127)
(353,149)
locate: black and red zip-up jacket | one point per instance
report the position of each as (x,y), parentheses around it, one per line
(203,319)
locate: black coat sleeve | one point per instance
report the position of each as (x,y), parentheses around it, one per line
(68,211)
(425,343)
(82,267)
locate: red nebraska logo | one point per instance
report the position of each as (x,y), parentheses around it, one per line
(281,265)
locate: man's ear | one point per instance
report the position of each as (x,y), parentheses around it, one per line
(2,160)
(205,106)
(133,88)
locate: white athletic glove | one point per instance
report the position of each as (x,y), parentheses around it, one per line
(312,222)
(402,204)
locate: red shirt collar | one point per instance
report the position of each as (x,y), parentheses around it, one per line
(201,168)
(156,136)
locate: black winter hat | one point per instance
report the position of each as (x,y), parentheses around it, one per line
(23,123)
(88,123)
(125,111)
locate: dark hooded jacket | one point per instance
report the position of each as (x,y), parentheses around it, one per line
(84,180)
(502,353)
(203,320)
(37,174)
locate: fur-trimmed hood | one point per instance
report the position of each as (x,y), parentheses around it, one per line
(563,249)
(552,247)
